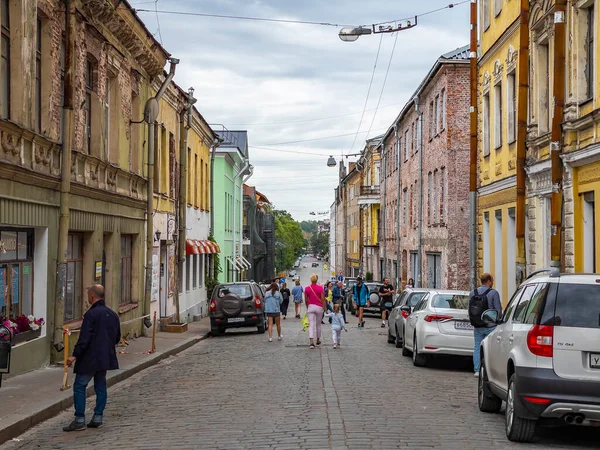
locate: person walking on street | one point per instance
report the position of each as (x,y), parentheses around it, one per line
(337,325)
(93,355)
(386,294)
(285,294)
(482,299)
(297,294)
(339,296)
(314,298)
(273,302)
(360,293)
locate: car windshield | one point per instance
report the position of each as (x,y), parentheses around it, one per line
(578,305)
(451,301)
(241,290)
(415,297)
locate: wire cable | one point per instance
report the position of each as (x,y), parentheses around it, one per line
(449,6)
(316,139)
(368,94)
(158,21)
(384,81)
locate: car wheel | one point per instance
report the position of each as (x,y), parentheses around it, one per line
(418,359)
(216,331)
(391,339)
(262,328)
(487,401)
(398,341)
(405,350)
(517,428)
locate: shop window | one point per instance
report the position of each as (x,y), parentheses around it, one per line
(5,61)
(16,272)
(195,272)
(73,298)
(188,273)
(126,267)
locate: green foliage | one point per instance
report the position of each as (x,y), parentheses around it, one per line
(309,226)
(212,281)
(288,240)
(319,242)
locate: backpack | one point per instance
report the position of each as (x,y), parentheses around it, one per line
(478,304)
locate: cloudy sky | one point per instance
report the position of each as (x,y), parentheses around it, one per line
(292,85)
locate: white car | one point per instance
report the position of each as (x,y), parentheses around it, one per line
(438,325)
(305,265)
(543,357)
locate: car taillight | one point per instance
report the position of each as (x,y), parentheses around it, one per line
(405,314)
(436,318)
(257,301)
(213,305)
(540,340)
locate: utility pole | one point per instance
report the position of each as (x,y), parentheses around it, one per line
(556,140)
(473,153)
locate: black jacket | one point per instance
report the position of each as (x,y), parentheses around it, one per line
(100,333)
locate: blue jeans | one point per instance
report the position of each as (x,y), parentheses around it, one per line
(79,388)
(480,334)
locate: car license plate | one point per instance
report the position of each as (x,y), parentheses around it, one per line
(595,360)
(235,319)
(463,326)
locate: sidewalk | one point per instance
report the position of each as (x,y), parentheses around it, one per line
(31,398)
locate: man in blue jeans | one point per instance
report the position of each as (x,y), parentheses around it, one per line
(493,302)
(93,355)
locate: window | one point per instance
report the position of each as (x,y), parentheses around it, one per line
(73,297)
(437,115)
(429,197)
(135,132)
(414,136)
(414,267)
(578,305)
(511,305)
(521,308)
(5,63)
(534,309)
(498,116)
(16,272)
(443,190)
(486,124)
(195,271)
(405,215)
(126,276)
(450,301)
(89,87)
(497,7)
(406,141)
(543,81)
(443,109)
(434,270)
(485,10)
(431,134)
(417,135)
(188,272)
(589,50)
(38,76)
(511,101)
(201,272)
(435,197)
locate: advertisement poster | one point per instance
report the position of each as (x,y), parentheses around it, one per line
(155,273)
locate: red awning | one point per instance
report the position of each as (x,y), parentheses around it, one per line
(216,246)
(200,246)
(190,247)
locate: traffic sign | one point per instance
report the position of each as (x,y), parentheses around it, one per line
(282,280)
(340,278)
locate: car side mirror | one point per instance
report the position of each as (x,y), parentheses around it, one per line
(406,309)
(491,316)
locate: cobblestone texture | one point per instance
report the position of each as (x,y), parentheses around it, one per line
(241,392)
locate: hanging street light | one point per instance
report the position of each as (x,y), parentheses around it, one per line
(331,162)
(351,34)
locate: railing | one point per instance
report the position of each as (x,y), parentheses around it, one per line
(369,190)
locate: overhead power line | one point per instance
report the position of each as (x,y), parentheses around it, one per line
(449,6)
(317,139)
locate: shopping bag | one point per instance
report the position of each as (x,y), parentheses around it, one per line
(305,322)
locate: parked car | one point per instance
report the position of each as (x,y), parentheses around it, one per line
(410,297)
(235,305)
(543,358)
(374,300)
(438,325)
(315,264)
(293,273)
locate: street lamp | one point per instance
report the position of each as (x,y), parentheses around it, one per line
(331,162)
(351,34)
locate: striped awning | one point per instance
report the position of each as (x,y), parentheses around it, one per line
(200,247)
(191,247)
(244,262)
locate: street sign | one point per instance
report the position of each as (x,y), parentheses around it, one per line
(282,280)
(340,278)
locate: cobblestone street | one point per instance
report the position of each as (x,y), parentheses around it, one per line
(239,391)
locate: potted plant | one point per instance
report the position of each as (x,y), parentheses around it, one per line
(23,328)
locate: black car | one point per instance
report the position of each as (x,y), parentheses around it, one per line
(235,305)
(315,264)
(373,299)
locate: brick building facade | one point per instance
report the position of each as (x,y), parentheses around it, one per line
(425,179)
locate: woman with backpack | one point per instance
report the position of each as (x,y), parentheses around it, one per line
(273,302)
(285,293)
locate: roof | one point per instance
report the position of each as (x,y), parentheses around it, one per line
(260,197)
(456,56)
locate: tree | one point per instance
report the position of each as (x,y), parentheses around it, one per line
(320,242)
(288,240)
(309,226)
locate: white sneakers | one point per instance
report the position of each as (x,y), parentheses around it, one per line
(280,337)
(476,374)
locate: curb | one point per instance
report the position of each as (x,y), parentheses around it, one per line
(21,426)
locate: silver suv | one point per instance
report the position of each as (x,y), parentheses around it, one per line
(543,358)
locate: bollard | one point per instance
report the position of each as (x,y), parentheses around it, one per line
(153,334)
(65,384)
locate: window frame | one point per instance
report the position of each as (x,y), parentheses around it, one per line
(20,261)
(126,269)
(89,88)
(511,102)
(76,260)
(498,116)
(486,147)
(590,52)
(5,41)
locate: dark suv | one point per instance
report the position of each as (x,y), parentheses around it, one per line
(373,300)
(235,305)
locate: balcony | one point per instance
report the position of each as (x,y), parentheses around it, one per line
(369,195)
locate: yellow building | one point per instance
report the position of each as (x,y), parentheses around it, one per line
(369,203)
(352,185)
(497,144)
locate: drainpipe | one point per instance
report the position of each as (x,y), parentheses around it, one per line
(246,178)
(473,151)
(236,213)
(522,112)
(556,141)
(419,130)
(183,177)
(150,115)
(65,184)
(398,230)
(384,213)
(216,143)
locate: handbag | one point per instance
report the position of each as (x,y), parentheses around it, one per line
(305,323)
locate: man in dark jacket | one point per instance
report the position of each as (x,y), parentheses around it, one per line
(93,355)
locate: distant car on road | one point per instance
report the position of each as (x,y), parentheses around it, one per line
(410,297)
(293,273)
(234,305)
(438,325)
(543,358)
(315,264)
(305,265)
